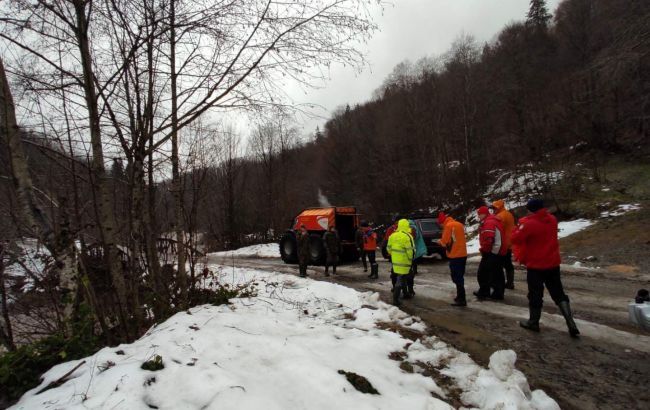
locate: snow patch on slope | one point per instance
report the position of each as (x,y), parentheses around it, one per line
(267,250)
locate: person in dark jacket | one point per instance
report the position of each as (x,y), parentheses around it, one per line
(540,253)
(303,250)
(332,245)
(492,248)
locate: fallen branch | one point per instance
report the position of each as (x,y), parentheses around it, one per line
(61,379)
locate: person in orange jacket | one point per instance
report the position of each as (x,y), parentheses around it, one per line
(367,243)
(508,222)
(453,240)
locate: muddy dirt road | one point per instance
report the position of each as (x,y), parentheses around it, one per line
(607,368)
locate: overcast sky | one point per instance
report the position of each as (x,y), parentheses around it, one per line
(409,29)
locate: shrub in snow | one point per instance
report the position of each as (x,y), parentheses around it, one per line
(154,364)
(359,382)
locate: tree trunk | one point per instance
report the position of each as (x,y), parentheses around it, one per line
(107,219)
(176,177)
(6,333)
(62,248)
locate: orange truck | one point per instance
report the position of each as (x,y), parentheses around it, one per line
(317,221)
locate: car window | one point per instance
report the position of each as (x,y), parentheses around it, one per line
(428,226)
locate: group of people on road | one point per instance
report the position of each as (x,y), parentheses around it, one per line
(533,243)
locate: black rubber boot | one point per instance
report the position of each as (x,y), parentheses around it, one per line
(480,296)
(303,271)
(396,292)
(565,308)
(334,270)
(510,279)
(374,271)
(460,299)
(533,322)
(327,271)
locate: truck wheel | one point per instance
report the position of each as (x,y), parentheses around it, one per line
(316,249)
(289,248)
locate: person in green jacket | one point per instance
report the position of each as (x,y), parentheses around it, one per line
(401,249)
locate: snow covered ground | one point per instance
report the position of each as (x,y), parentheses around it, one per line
(283,350)
(620,210)
(267,250)
(32,257)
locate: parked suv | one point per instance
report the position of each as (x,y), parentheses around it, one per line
(431,233)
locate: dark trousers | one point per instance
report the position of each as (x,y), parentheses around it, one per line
(550,278)
(488,275)
(498,279)
(371,255)
(332,260)
(408,281)
(302,267)
(509,268)
(457,269)
(399,286)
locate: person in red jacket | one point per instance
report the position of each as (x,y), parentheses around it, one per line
(492,248)
(539,249)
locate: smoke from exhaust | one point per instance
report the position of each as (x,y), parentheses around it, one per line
(322,199)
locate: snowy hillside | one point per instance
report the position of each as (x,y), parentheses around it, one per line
(516,187)
(294,346)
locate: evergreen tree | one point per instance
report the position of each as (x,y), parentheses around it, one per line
(319,135)
(117,169)
(538,15)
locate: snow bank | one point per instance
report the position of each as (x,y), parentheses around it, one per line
(567,228)
(267,250)
(620,210)
(283,350)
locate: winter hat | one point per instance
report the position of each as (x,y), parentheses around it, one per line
(441,217)
(364,223)
(535,204)
(642,296)
(483,210)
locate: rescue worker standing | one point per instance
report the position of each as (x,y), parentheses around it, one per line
(332,246)
(401,249)
(508,222)
(303,250)
(492,250)
(453,240)
(368,249)
(539,251)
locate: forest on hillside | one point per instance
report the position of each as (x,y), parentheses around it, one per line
(116,108)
